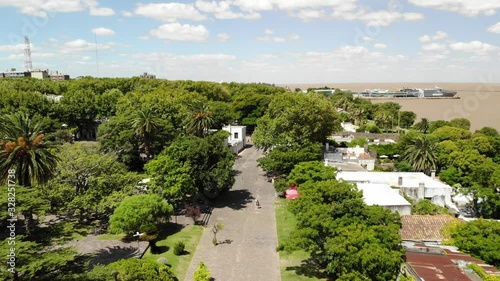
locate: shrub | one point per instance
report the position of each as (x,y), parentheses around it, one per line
(179,248)
(202,273)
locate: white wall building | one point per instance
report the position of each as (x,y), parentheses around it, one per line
(237,137)
(384,196)
(40,74)
(416,185)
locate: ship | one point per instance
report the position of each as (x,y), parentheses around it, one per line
(408,93)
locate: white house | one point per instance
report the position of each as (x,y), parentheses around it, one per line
(416,185)
(237,137)
(384,196)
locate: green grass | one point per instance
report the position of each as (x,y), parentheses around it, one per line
(290,262)
(190,236)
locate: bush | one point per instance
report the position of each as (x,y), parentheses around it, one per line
(202,273)
(179,248)
(281,185)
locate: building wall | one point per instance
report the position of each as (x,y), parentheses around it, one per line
(402,210)
(39,74)
(370,164)
(237,133)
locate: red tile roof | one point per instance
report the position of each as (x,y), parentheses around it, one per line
(424,227)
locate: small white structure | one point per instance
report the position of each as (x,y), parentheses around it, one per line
(384,196)
(416,185)
(40,74)
(237,137)
(349,127)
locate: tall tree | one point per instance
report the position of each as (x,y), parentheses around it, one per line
(145,122)
(199,118)
(23,150)
(423,125)
(422,154)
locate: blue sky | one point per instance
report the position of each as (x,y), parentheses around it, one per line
(274,41)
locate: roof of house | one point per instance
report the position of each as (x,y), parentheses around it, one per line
(424,227)
(392,178)
(436,263)
(381,194)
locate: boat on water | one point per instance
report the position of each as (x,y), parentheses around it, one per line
(408,93)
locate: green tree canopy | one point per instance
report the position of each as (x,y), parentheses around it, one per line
(281,160)
(293,118)
(461,123)
(140,270)
(140,213)
(451,133)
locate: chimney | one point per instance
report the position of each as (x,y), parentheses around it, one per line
(433,174)
(421,191)
(400,181)
(327,146)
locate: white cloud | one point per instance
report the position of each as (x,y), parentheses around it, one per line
(223,10)
(310,14)
(80,45)
(380,46)
(169,11)
(494,28)
(12,48)
(181,32)
(49,7)
(434,47)
(101,31)
(223,37)
(473,46)
(386,18)
(367,39)
(293,36)
(268,31)
(127,14)
(94,11)
(469,8)
(438,36)
(277,39)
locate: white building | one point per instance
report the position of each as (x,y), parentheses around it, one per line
(384,196)
(40,74)
(237,137)
(416,185)
(349,127)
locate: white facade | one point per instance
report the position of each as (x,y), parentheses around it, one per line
(40,74)
(237,137)
(417,185)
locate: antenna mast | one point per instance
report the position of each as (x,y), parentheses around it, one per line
(96,58)
(27,54)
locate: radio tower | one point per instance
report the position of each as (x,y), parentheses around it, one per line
(27,54)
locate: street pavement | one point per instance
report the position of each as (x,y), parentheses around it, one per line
(247,244)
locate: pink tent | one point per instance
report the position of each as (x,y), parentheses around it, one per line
(292,192)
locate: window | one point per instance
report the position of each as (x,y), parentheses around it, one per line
(235,135)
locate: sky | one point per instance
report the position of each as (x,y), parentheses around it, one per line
(269,41)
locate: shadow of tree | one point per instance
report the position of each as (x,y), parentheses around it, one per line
(112,254)
(308,268)
(234,199)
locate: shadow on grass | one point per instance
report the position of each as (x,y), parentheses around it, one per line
(308,268)
(234,199)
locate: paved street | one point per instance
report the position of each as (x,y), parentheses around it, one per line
(248,251)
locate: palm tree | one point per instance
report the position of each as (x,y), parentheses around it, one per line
(145,123)
(23,150)
(422,154)
(358,115)
(199,119)
(423,125)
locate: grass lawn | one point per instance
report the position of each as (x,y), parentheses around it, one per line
(190,236)
(290,262)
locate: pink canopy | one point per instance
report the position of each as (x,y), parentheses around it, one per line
(292,192)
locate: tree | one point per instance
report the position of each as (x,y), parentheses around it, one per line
(423,126)
(407,119)
(451,133)
(296,119)
(488,131)
(199,118)
(361,142)
(422,154)
(23,150)
(314,171)
(202,273)
(384,119)
(461,123)
(426,207)
(215,229)
(282,159)
(145,123)
(133,269)
(434,125)
(478,238)
(80,109)
(140,213)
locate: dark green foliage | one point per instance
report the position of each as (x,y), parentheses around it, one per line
(407,119)
(423,126)
(281,160)
(314,171)
(426,207)
(461,123)
(480,238)
(421,154)
(434,125)
(488,131)
(179,248)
